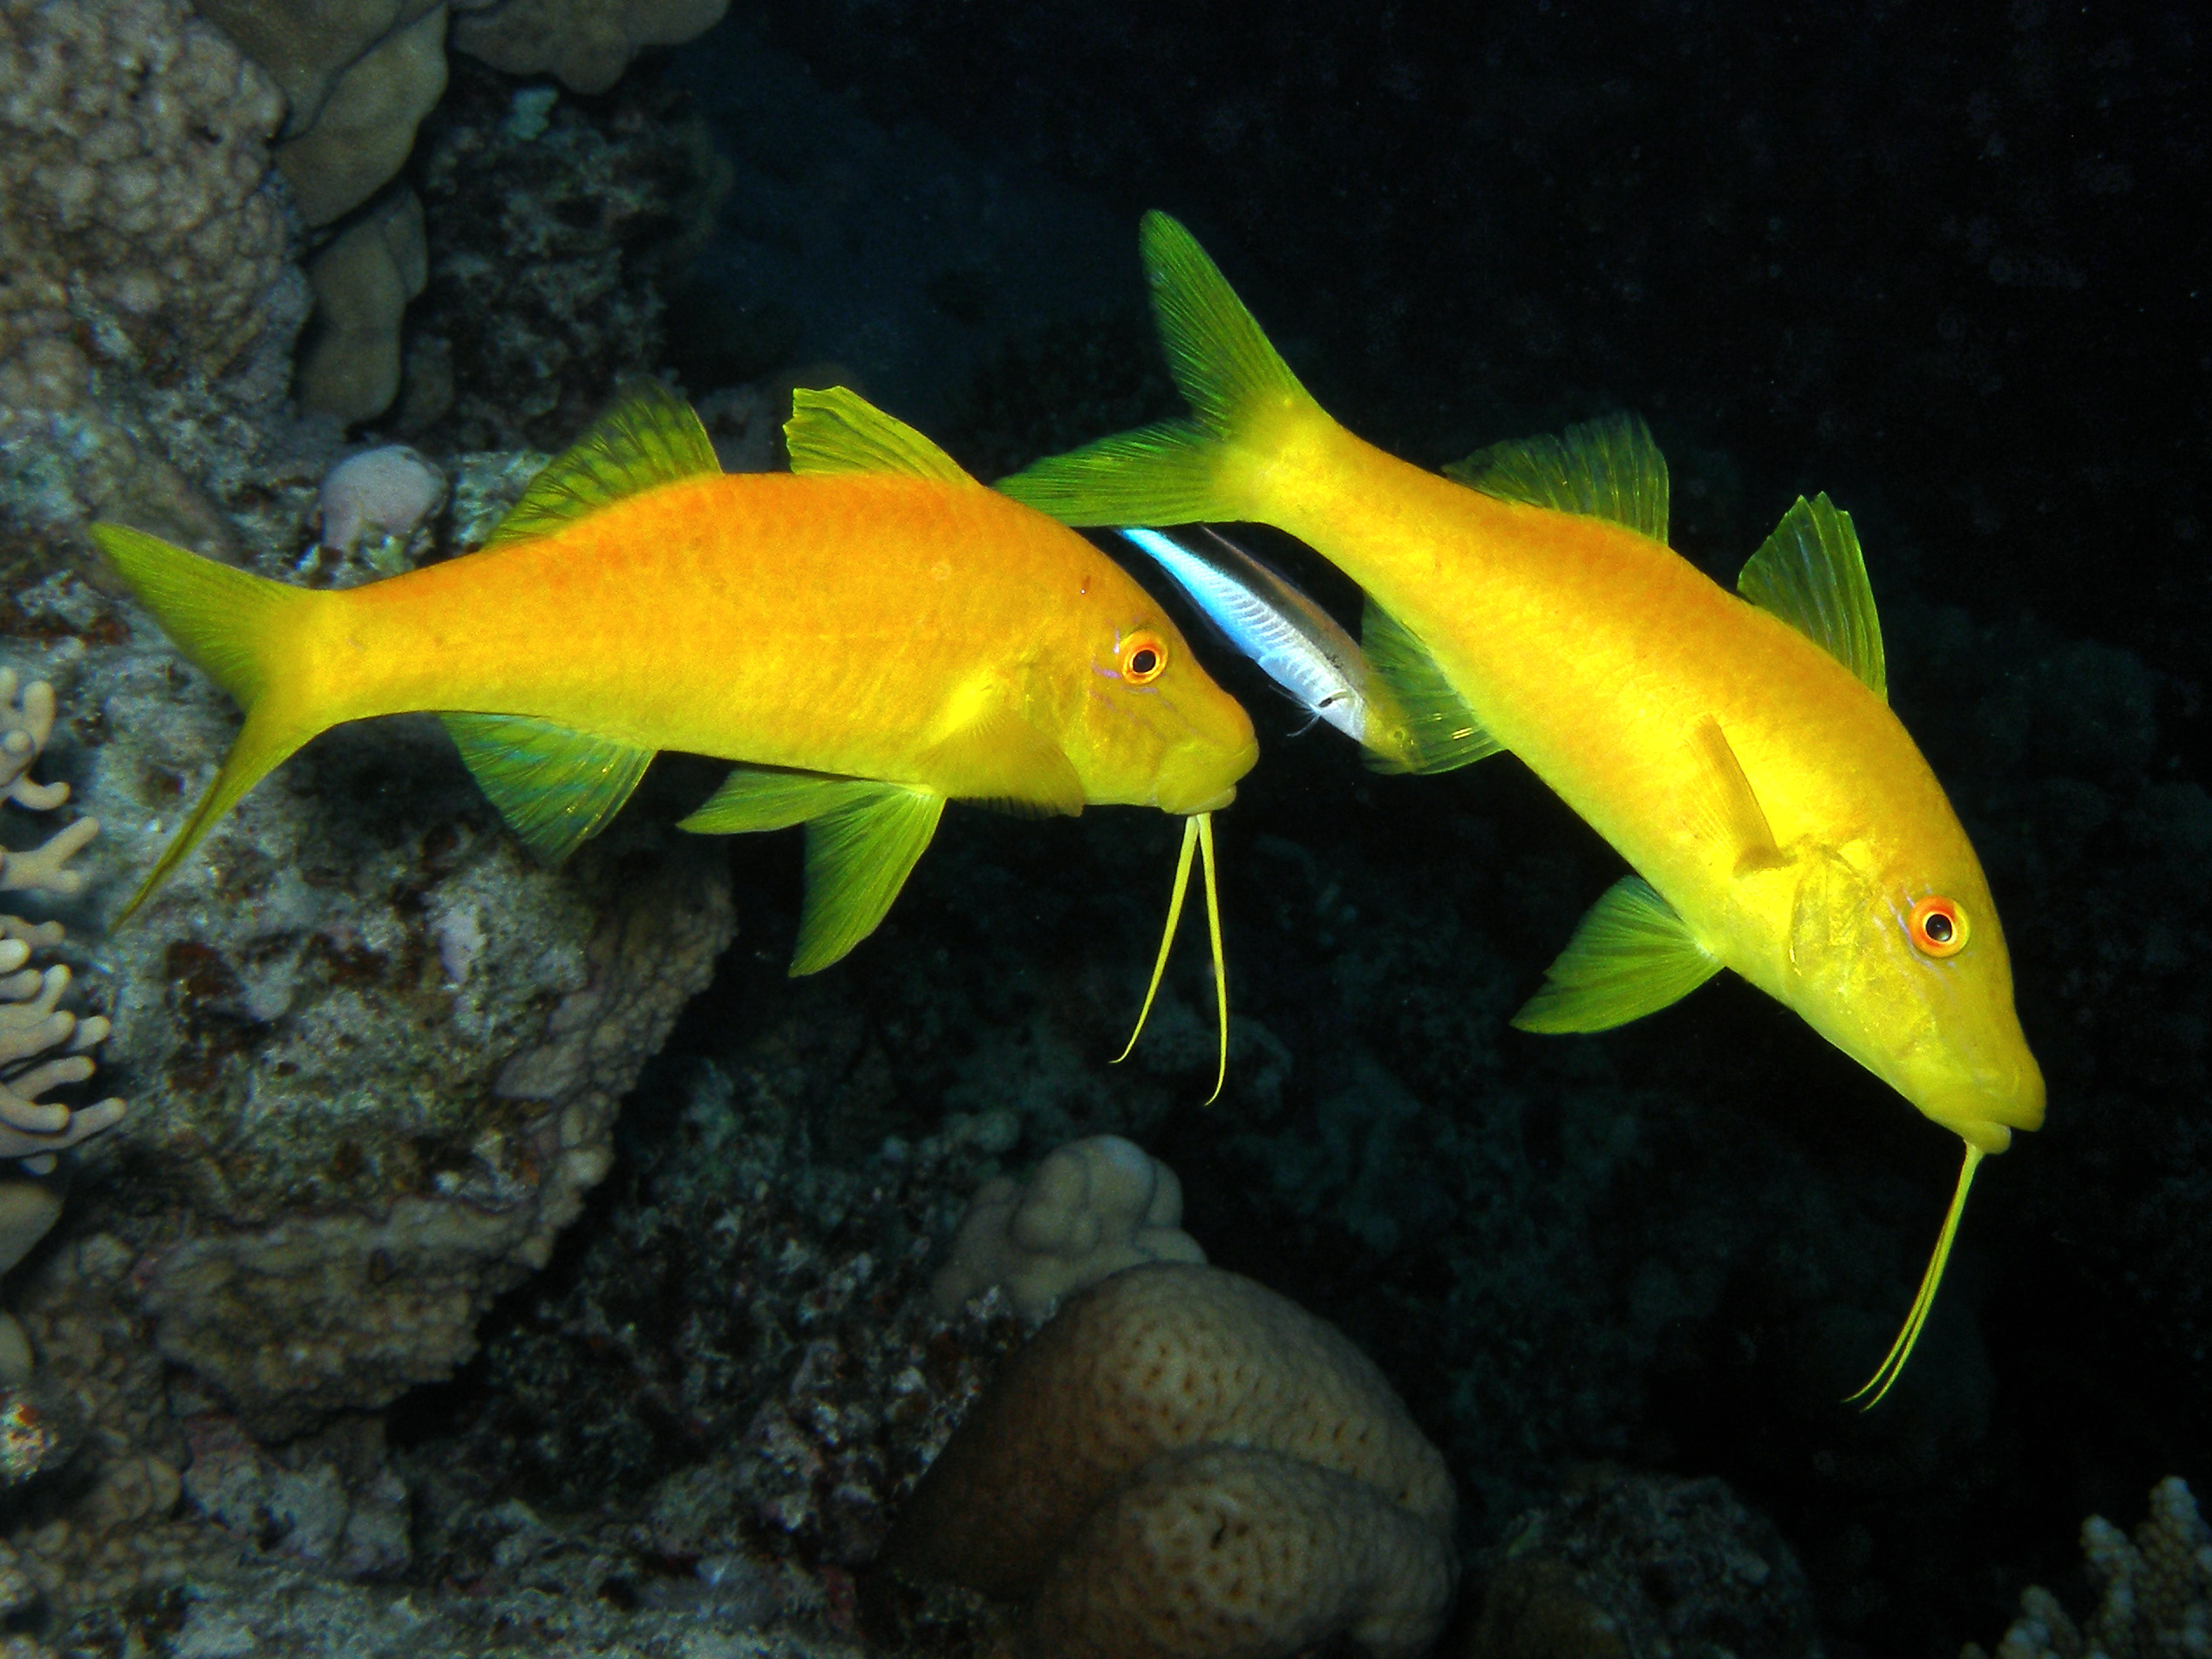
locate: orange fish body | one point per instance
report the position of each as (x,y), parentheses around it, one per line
(871,636)
(831,624)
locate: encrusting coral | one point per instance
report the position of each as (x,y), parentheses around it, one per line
(1183,1463)
(1092,1207)
(2156,1591)
(150,300)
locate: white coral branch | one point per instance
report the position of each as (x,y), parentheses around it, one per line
(42,1044)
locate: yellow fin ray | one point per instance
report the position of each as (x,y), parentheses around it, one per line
(1604,469)
(556,788)
(1238,387)
(1435,731)
(1728,809)
(1811,574)
(839,430)
(999,760)
(1630,955)
(863,840)
(648,437)
(1893,1364)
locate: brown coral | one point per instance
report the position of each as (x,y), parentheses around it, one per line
(1184,1463)
(144,243)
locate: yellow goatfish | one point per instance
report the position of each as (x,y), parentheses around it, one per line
(1739,751)
(871,633)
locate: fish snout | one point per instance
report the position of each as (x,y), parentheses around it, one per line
(1201,777)
(1986,1108)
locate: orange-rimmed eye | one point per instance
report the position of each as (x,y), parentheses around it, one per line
(1144,658)
(1937,926)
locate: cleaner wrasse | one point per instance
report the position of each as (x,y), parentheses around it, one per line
(1291,640)
(1737,748)
(870,635)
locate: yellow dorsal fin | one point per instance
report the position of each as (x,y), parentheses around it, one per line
(1198,833)
(1893,1364)
(839,430)
(1606,469)
(650,437)
(1811,574)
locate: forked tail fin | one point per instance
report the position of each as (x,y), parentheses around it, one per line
(1246,406)
(236,627)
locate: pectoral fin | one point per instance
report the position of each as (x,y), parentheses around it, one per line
(1630,955)
(1727,808)
(999,760)
(862,841)
(556,788)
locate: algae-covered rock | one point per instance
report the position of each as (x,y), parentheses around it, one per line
(376,1051)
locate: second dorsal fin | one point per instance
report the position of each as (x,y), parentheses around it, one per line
(650,437)
(1606,469)
(839,430)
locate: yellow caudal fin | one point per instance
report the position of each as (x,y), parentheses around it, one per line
(235,626)
(1245,405)
(1893,1364)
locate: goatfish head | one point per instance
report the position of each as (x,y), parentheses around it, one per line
(1900,961)
(1153,729)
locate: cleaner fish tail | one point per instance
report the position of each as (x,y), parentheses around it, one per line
(244,631)
(1248,411)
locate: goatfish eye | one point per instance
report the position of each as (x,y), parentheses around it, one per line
(1144,658)
(1938,928)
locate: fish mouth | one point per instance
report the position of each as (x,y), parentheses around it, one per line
(1202,780)
(1986,1111)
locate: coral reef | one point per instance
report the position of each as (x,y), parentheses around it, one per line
(378,504)
(587,42)
(356,76)
(551,229)
(363,278)
(382,1052)
(1641,1566)
(148,316)
(2154,1594)
(1092,1208)
(33,1024)
(1163,1411)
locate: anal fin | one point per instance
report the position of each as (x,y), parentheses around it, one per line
(863,839)
(556,787)
(1000,760)
(1630,955)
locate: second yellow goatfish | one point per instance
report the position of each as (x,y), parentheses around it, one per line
(872,633)
(1739,752)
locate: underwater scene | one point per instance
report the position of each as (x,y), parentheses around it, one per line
(993,829)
